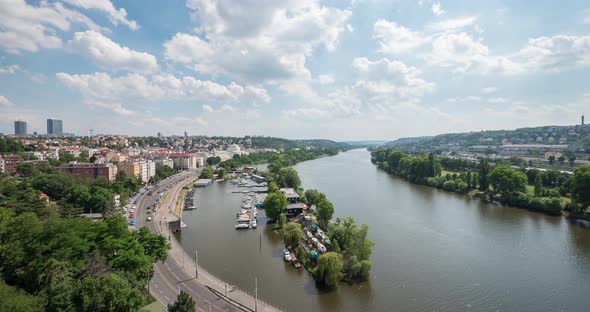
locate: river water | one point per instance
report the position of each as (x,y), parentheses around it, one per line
(434,250)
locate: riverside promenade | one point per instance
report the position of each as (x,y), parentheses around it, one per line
(206,289)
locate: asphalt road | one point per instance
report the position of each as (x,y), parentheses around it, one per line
(169,277)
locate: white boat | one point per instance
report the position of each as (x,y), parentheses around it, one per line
(243,219)
(242,226)
(234,181)
(286,255)
(254,224)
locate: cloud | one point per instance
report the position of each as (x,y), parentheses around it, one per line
(109,55)
(25,27)
(9,69)
(117,108)
(4,101)
(464,54)
(115,16)
(349,28)
(393,38)
(103,88)
(488,90)
(207,108)
(452,24)
(556,53)
(389,80)
(268,42)
(325,79)
(437,9)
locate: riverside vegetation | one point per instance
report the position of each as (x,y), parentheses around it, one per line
(349,256)
(551,191)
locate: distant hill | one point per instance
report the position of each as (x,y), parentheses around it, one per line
(364,143)
(576,137)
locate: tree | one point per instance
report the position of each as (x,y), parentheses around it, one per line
(551,159)
(484,171)
(507,181)
(11,299)
(184,303)
(288,177)
(329,270)
(213,160)
(561,160)
(207,173)
(580,188)
(325,210)
(292,234)
(275,204)
(282,221)
(538,186)
(273,187)
(221,172)
(312,196)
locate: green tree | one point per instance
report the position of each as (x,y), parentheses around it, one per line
(292,234)
(551,159)
(184,303)
(484,171)
(288,177)
(273,187)
(275,204)
(325,211)
(507,181)
(580,188)
(14,300)
(282,221)
(329,270)
(207,173)
(213,160)
(538,186)
(312,197)
(221,172)
(561,160)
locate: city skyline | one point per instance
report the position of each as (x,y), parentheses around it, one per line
(306,69)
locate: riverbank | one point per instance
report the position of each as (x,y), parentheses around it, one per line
(242,300)
(547,192)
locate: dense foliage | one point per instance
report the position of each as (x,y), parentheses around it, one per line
(542,190)
(329,270)
(77,264)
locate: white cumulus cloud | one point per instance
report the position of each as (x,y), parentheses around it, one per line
(26,27)
(109,55)
(115,16)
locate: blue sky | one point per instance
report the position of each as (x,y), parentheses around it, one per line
(298,69)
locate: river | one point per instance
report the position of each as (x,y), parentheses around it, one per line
(434,250)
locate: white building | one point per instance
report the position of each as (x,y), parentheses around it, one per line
(148,170)
(233,149)
(165,162)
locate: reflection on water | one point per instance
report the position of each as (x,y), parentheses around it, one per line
(434,250)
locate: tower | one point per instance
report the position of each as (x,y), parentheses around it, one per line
(20,128)
(582,120)
(54,127)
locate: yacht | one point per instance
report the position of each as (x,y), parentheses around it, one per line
(242,226)
(254,224)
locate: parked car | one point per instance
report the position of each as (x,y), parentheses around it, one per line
(132,222)
(149,218)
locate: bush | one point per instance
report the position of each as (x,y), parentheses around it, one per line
(449,186)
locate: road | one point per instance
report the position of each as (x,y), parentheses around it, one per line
(170,277)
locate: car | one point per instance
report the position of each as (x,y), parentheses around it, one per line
(132,210)
(148,211)
(132,222)
(131,215)
(149,218)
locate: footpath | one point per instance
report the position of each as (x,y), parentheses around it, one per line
(232,294)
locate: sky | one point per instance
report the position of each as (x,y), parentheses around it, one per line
(341,70)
